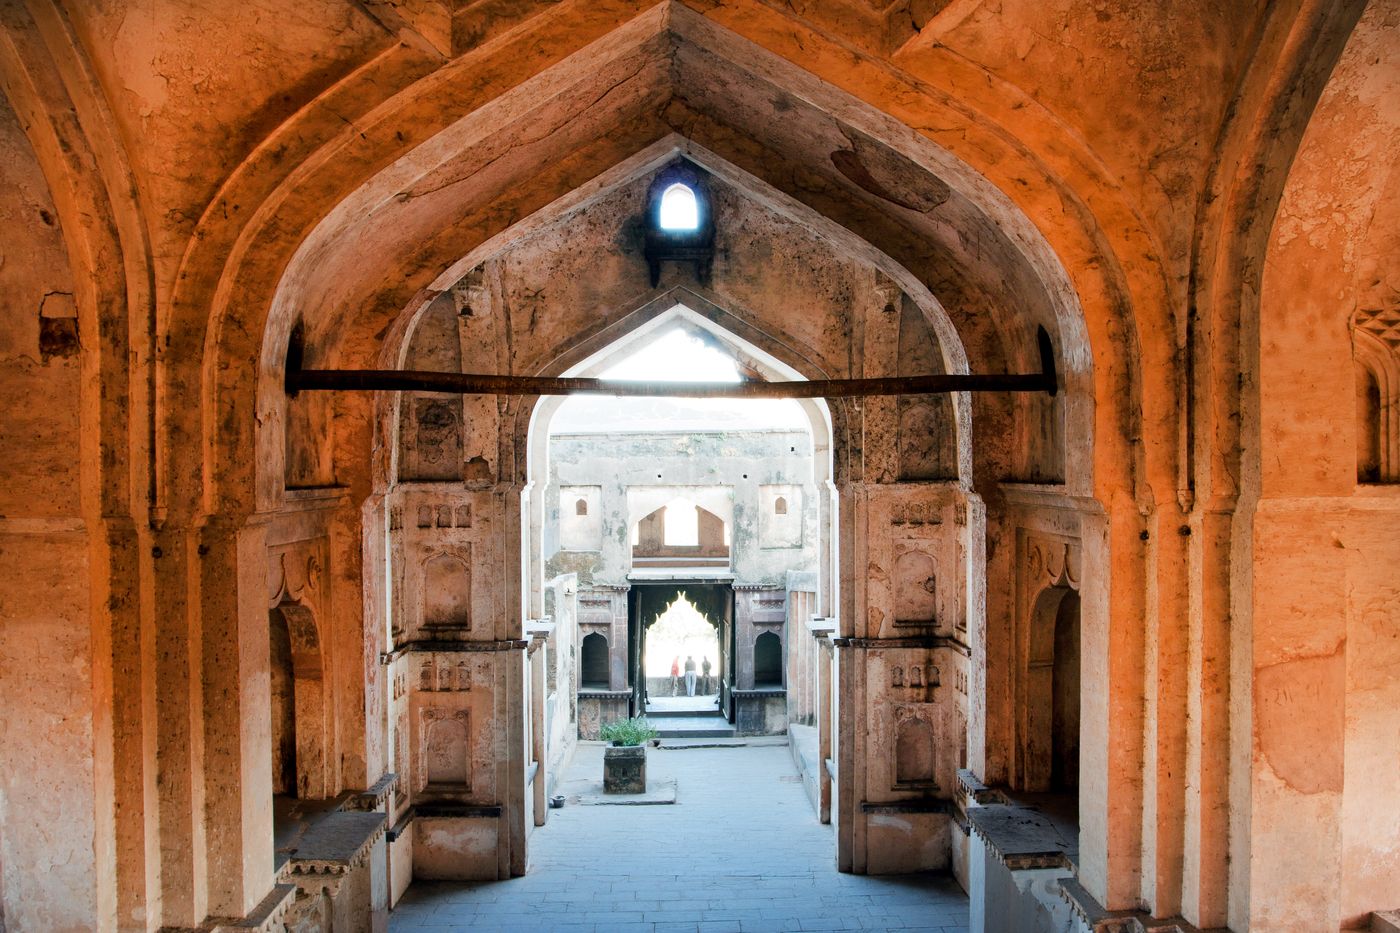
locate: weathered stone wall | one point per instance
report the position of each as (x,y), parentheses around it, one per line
(738,464)
(343,165)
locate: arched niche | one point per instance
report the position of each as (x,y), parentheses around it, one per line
(299,703)
(1050,747)
(768,660)
(446,764)
(447,590)
(1377,424)
(915,589)
(432,429)
(915,756)
(593,663)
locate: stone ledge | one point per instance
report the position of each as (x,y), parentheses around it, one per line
(921,805)
(264,918)
(374,797)
(449,810)
(401,827)
(905,641)
(976,791)
(1088,910)
(1021,838)
(337,843)
(447,646)
(1385,921)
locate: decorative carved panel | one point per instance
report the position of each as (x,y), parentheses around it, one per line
(437,440)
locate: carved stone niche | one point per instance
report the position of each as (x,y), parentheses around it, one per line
(444,750)
(915,747)
(915,589)
(446,592)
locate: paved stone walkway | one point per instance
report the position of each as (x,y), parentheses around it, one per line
(740,851)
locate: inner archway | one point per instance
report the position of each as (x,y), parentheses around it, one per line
(910,627)
(706,514)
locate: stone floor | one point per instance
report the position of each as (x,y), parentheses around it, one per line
(739,851)
(661,705)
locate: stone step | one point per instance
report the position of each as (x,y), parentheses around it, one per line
(692,727)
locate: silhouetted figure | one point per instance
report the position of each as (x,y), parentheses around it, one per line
(705,674)
(676,675)
(689,676)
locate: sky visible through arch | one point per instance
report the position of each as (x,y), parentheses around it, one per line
(680,632)
(675,356)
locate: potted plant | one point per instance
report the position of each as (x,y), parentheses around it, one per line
(625,758)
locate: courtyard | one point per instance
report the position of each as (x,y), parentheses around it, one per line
(740,850)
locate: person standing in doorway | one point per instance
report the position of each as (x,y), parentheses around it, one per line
(705,674)
(676,675)
(689,676)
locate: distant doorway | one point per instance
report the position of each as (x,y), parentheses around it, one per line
(686,628)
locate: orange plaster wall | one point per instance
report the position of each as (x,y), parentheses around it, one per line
(1325,840)
(48,834)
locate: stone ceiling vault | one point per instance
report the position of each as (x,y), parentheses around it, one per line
(671,75)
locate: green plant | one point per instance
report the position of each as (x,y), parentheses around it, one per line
(634,731)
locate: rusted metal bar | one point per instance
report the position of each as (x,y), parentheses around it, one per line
(400,380)
(394,380)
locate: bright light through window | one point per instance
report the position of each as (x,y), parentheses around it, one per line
(678,209)
(682,524)
(676,357)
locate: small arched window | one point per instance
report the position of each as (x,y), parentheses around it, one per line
(780,506)
(679,210)
(581,507)
(593,661)
(1368,426)
(767,661)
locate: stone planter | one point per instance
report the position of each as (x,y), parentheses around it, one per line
(625,769)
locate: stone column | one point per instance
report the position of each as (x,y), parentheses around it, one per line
(237,759)
(539,635)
